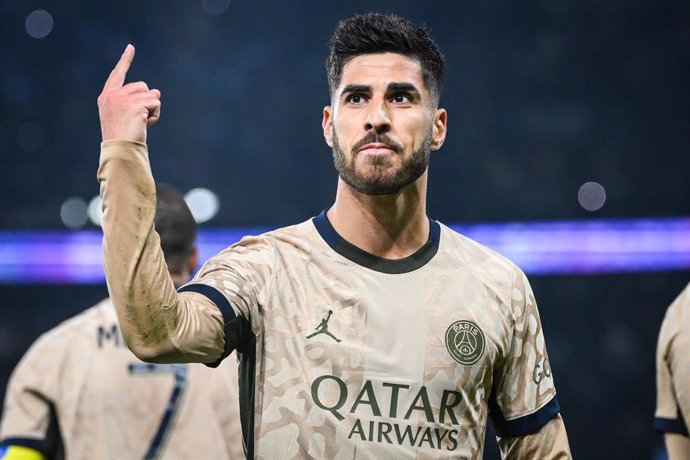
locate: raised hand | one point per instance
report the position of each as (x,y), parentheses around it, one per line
(127,110)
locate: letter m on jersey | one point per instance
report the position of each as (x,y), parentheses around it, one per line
(103,334)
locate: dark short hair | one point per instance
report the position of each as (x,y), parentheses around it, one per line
(176,226)
(380,33)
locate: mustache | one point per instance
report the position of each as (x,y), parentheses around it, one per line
(375,138)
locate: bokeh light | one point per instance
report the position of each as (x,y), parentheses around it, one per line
(215,7)
(95,210)
(39,24)
(73,212)
(591,196)
(203,203)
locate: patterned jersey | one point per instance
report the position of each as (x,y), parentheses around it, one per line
(80,389)
(673,368)
(347,355)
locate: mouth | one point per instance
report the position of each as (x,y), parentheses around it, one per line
(376,144)
(377,147)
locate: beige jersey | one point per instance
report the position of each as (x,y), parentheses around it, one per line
(348,355)
(343,355)
(673,368)
(79,386)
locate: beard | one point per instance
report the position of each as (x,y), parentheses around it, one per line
(379,180)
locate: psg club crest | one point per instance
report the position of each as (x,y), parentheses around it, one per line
(465,342)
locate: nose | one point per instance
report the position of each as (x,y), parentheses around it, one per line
(378,117)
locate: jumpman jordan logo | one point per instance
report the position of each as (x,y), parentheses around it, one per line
(322,328)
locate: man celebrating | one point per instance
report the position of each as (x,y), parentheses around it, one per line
(435,333)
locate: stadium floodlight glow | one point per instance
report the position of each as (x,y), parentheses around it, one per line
(541,248)
(73,212)
(203,204)
(95,210)
(39,24)
(591,196)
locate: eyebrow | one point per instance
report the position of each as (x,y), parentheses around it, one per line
(404,87)
(392,87)
(349,89)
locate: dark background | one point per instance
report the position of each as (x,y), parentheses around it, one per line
(542,96)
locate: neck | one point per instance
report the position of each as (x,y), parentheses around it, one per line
(389,226)
(179,278)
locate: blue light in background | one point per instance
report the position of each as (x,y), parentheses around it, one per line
(543,248)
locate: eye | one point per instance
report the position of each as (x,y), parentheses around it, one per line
(401,98)
(355,98)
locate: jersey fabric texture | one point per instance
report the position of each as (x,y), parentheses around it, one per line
(343,355)
(673,368)
(348,355)
(80,393)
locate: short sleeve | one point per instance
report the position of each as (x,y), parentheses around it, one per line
(29,417)
(523,395)
(237,281)
(672,413)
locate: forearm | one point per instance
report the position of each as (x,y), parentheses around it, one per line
(152,315)
(550,442)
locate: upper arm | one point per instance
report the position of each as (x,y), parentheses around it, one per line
(672,414)
(29,423)
(677,446)
(234,285)
(549,443)
(523,396)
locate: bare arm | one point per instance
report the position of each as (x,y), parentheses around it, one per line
(157,323)
(677,446)
(549,443)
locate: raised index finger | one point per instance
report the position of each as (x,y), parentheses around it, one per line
(117,76)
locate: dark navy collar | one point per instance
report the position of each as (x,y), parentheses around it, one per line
(363,258)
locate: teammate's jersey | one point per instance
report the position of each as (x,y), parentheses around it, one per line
(346,355)
(79,386)
(673,368)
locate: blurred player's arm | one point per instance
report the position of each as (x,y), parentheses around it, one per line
(672,414)
(29,429)
(549,443)
(158,324)
(677,446)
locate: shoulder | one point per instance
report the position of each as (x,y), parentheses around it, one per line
(293,235)
(477,258)
(265,245)
(680,307)
(677,315)
(68,335)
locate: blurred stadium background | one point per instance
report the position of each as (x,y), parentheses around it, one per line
(567,150)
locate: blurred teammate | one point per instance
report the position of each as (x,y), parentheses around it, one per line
(672,416)
(369,331)
(79,393)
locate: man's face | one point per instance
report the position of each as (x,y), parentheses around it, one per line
(382,125)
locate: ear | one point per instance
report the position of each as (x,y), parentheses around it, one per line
(193,260)
(327,125)
(439,130)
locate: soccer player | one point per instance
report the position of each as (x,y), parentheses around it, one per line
(79,393)
(368,331)
(672,416)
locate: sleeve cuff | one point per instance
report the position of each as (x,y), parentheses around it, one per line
(525,425)
(669,425)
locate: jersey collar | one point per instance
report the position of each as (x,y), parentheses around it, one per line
(379,264)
